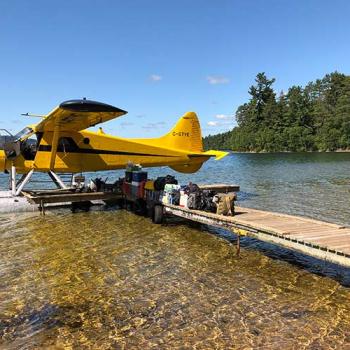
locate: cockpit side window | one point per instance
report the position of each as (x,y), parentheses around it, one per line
(29,146)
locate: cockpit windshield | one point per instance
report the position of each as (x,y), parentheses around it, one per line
(23,134)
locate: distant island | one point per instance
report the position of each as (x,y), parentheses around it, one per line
(311,118)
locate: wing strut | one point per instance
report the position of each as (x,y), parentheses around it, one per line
(56,134)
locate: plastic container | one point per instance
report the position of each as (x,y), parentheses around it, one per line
(149,185)
(139,176)
(171,187)
(183,200)
(165,199)
(134,191)
(126,189)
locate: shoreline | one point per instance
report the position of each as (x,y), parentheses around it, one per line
(276,152)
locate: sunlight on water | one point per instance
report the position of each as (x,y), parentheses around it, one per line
(113,280)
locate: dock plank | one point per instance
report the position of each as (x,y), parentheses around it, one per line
(316,238)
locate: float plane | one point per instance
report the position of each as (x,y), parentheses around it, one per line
(60,143)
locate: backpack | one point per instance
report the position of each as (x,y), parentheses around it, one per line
(207,203)
(191,188)
(194,201)
(160,182)
(225,203)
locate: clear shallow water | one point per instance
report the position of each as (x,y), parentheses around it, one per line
(110,279)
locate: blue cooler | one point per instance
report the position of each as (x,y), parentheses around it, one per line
(139,176)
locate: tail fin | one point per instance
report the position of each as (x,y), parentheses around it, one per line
(186,135)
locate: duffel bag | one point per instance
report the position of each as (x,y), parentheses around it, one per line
(225,204)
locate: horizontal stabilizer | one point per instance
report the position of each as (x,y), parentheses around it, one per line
(217,154)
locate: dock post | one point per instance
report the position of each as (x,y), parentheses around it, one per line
(42,207)
(13,180)
(238,247)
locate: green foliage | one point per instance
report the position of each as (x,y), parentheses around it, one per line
(313,118)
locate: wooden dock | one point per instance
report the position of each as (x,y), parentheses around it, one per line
(322,240)
(69,197)
(315,238)
(66,196)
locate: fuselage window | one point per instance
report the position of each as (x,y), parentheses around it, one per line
(86,140)
(67,144)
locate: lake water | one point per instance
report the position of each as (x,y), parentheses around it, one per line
(108,279)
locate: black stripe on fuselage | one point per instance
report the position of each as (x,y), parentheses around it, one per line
(48,148)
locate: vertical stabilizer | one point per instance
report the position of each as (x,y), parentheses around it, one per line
(186,135)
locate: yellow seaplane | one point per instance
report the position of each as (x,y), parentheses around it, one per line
(61,143)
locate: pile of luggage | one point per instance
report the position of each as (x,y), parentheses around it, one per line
(192,197)
(166,190)
(155,189)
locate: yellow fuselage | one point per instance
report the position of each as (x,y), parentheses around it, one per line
(92,151)
(61,142)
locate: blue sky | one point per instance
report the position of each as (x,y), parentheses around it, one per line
(159,59)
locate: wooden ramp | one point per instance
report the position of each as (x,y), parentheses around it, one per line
(315,238)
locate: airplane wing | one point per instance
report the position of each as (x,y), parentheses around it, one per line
(76,115)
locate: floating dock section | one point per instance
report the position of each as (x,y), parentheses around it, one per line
(315,238)
(14,204)
(31,201)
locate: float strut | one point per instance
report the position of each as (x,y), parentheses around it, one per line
(24,182)
(13,180)
(57,180)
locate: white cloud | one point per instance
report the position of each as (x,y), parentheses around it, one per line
(223,116)
(157,125)
(217,123)
(215,80)
(156,77)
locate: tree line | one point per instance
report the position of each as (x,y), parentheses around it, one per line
(311,118)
